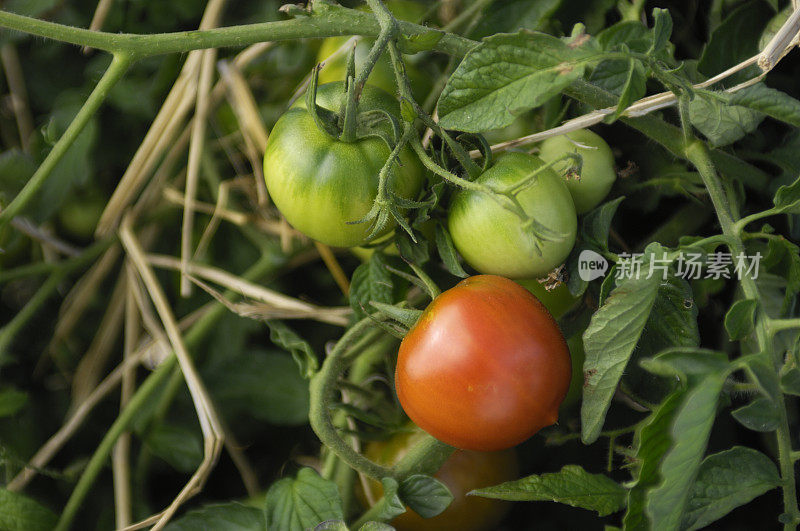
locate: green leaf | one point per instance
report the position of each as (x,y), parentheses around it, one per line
(302,503)
(651,441)
(228,516)
(29,8)
(771,102)
(705,375)
(262,385)
(633,87)
(505,76)
(282,336)
(626,34)
(611,75)
(447,252)
(425,495)
(725,481)
(371,282)
(740,319)
(721,123)
(376,526)
(410,251)
(609,341)
(20,513)
(735,40)
(759,415)
(179,446)
(572,485)
(16,168)
(11,401)
(508,16)
(596,224)
(790,382)
(787,198)
(662,29)
(760,368)
(390,505)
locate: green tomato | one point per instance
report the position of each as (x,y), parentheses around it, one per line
(382,75)
(321,183)
(597,175)
(557,301)
(493,240)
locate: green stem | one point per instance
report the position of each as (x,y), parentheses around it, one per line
(322,389)
(426,457)
(152,383)
(778,325)
(698,154)
(119,65)
(12,328)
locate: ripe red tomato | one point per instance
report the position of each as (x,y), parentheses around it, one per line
(464,471)
(485,367)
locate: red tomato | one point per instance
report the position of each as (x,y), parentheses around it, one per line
(485,367)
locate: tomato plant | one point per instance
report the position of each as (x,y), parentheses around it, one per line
(597,173)
(167,311)
(323,185)
(463,472)
(485,367)
(495,241)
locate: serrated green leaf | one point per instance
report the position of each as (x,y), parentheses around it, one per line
(508,16)
(727,480)
(425,495)
(302,503)
(759,415)
(572,486)
(651,443)
(787,198)
(228,516)
(505,76)
(371,282)
(690,431)
(609,341)
(20,513)
(771,102)
(282,336)
(628,33)
(740,319)
(611,75)
(447,252)
(721,123)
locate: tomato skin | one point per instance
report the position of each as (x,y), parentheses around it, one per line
(320,183)
(597,175)
(466,470)
(485,367)
(492,239)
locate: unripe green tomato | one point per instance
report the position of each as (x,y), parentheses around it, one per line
(557,301)
(466,470)
(320,184)
(494,241)
(382,75)
(597,174)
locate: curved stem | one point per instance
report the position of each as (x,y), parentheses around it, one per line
(323,387)
(119,65)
